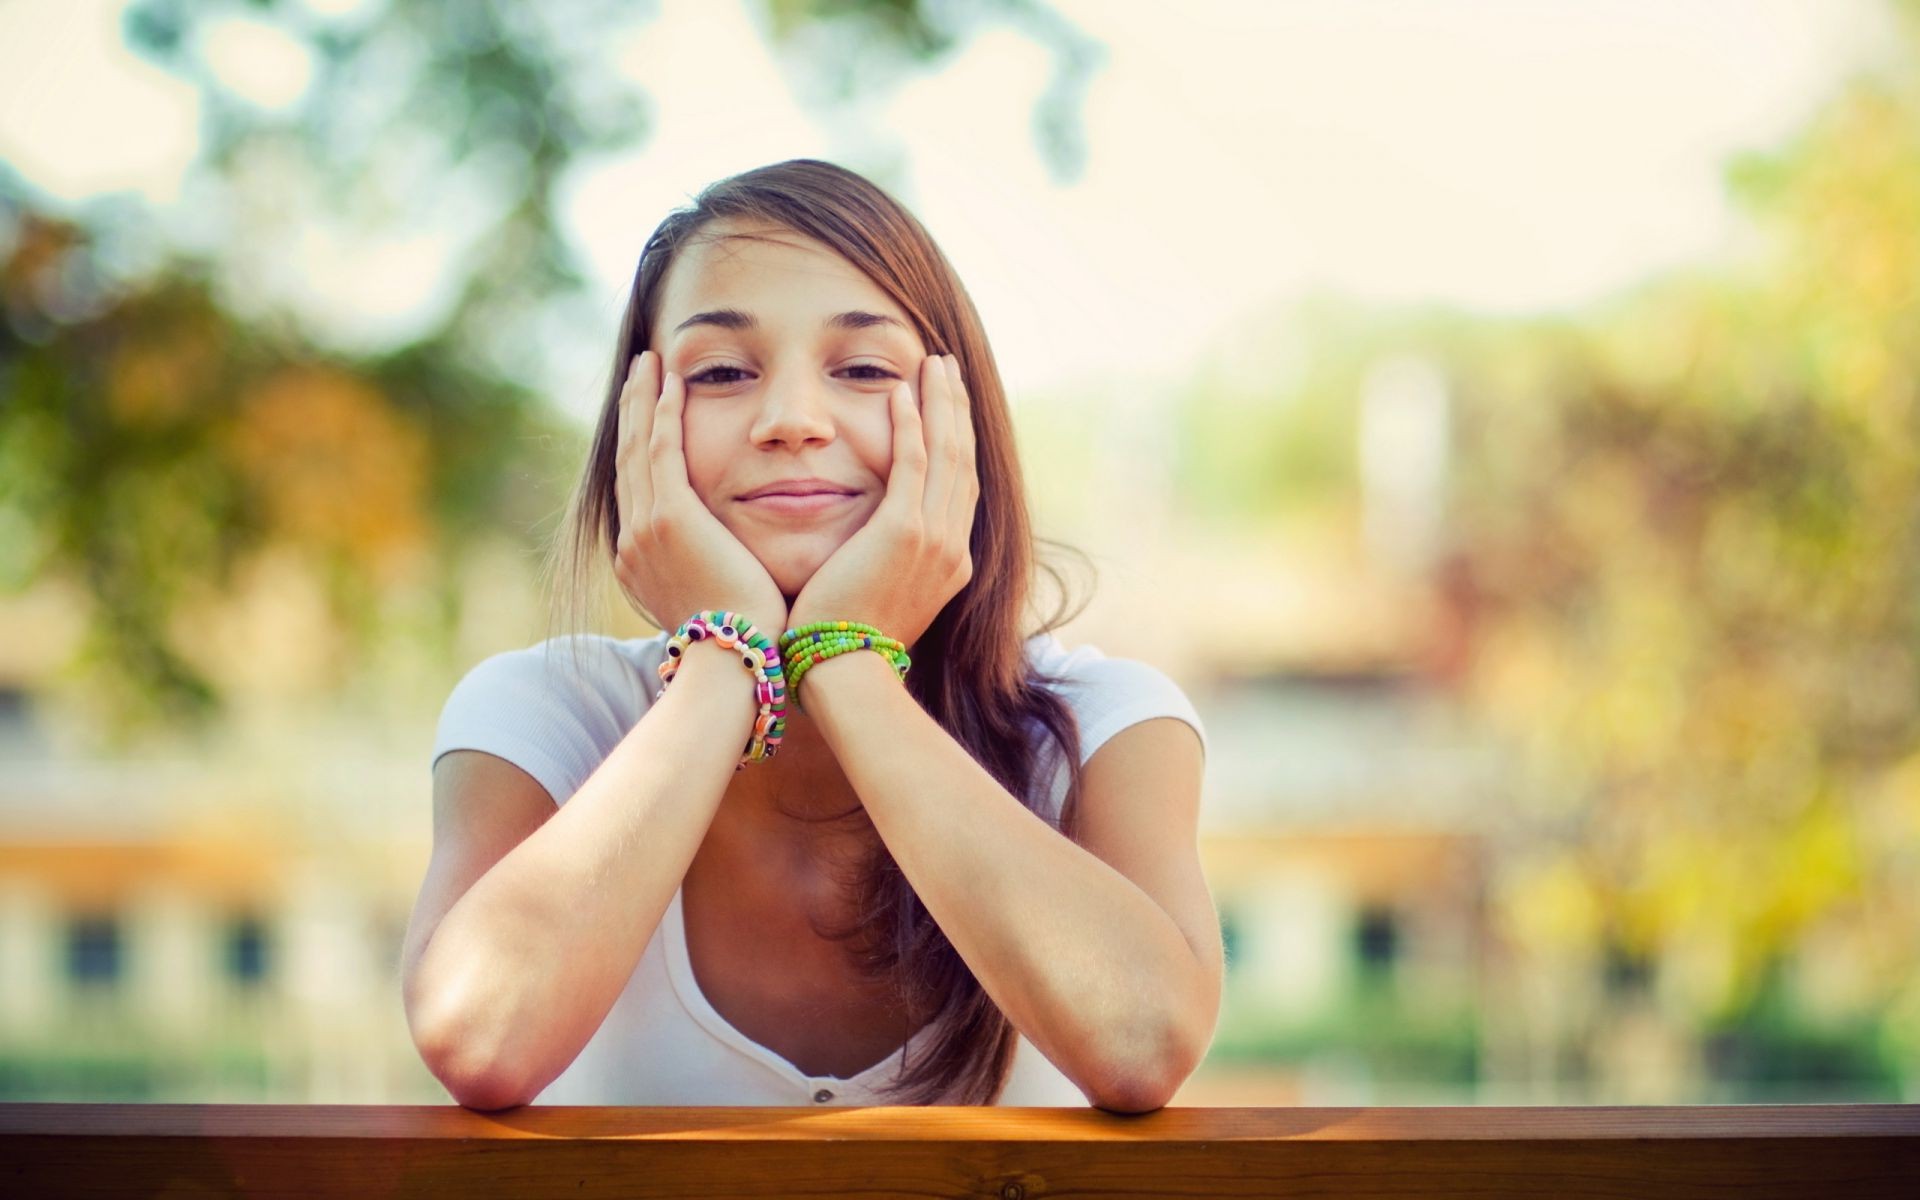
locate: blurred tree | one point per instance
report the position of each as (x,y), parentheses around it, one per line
(151,447)
(1686,543)
(1694,532)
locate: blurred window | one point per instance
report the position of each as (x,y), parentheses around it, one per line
(93,950)
(247,950)
(1376,939)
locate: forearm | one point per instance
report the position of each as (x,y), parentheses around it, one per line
(530,960)
(1082,961)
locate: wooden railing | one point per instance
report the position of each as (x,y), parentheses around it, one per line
(1834,1152)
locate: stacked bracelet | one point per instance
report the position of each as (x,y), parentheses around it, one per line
(758,654)
(809,644)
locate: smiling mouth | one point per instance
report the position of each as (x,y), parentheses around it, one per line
(787,502)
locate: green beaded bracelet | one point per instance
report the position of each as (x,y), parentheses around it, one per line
(802,647)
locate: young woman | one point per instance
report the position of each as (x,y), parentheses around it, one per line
(965,872)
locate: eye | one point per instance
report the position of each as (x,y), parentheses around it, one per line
(707,376)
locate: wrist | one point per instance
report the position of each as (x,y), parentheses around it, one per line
(841,691)
(809,643)
(709,660)
(736,634)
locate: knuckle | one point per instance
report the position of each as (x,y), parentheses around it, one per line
(665,524)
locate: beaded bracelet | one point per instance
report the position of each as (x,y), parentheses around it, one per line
(821,640)
(758,654)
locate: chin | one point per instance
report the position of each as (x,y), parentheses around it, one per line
(792,565)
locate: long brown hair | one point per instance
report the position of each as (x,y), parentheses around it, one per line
(970,668)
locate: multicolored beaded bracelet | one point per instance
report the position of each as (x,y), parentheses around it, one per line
(811,643)
(758,654)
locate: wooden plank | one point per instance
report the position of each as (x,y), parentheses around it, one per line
(1870,1150)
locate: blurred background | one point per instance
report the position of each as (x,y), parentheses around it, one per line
(1537,385)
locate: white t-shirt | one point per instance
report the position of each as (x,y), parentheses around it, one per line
(662,1042)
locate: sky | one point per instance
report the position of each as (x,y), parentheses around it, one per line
(1506,156)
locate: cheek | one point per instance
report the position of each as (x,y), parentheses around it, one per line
(873,443)
(704,450)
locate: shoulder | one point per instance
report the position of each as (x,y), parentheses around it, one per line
(1108,693)
(555,708)
(593,661)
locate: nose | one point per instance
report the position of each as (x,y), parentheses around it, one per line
(795,408)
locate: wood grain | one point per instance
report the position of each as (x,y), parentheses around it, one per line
(191,1150)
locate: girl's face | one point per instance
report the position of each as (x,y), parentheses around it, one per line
(788,352)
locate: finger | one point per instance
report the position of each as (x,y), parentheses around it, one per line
(936,415)
(907,476)
(667,465)
(644,409)
(622,477)
(966,490)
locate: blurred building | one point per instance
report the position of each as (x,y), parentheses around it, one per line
(163,936)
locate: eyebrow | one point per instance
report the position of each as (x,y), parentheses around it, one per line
(734,318)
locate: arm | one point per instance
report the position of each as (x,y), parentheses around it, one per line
(1085,961)
(519,973)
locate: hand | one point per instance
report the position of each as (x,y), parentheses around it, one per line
(914,553)
(674,557)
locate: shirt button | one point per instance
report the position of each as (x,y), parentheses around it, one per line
(822,1096)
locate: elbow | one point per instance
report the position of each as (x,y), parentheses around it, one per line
(1133,1101)
(473,1079)
(489,1094)
(1136,1091)
(1148,1081)
(483,1087)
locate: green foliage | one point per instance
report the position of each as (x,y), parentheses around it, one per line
(1692,532)
(1395,1038)
(1768,1046)
(1685,538)
(157,444)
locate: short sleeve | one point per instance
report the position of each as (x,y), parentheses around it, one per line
(538,710)
(1106,695)
(1118,692)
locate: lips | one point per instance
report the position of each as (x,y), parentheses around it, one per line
(799,487)
(817,502)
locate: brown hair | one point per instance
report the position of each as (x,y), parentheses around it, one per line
(970,672)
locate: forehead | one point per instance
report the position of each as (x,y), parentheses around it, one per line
(782,278)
